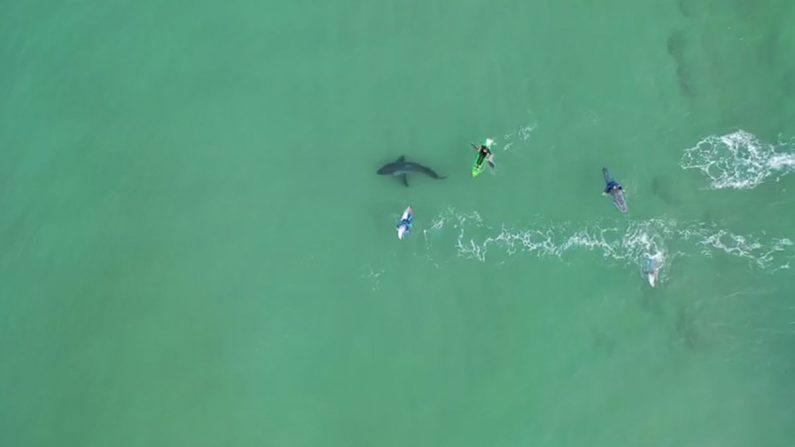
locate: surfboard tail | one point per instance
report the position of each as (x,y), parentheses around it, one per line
(620,201)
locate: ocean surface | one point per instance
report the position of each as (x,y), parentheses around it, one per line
(197,251)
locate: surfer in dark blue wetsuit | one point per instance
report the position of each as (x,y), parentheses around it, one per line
(615,189)
(406,223)
(613,186)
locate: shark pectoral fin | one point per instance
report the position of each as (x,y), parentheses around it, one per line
(405,179)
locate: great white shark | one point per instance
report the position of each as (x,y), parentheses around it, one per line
(401,167)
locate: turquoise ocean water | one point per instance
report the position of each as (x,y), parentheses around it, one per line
(196,249)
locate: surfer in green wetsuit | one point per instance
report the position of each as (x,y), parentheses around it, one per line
(485,153)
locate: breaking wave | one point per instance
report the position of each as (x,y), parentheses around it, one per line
(739,160)
(628,243)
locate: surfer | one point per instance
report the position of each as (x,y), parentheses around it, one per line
(484,153)
(405,223)
(652,269)
(615,189)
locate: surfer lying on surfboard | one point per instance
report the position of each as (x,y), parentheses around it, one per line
(615,189)
(484,155)
(405,223)
(651,269)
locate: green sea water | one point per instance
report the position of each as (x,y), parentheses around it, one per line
(197,251)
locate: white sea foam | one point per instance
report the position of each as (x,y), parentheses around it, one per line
(629,244)
(511,138)
(739,160)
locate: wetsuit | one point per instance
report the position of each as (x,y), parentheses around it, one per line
(407,222)
(613,185)
(483,152)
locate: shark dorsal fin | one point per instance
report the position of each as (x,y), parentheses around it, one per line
(401,159)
